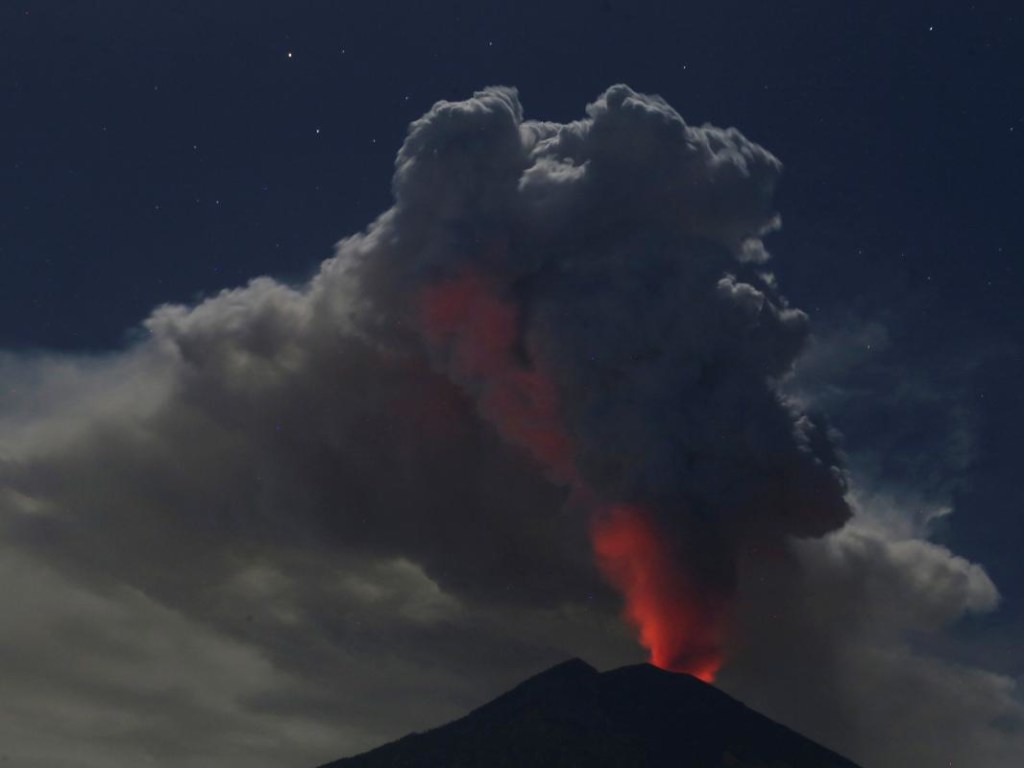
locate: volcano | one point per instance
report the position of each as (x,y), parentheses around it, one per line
(572,716)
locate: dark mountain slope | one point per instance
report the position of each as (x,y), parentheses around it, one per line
(572,716)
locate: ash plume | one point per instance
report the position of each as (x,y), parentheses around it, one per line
(597,288)
(542,391)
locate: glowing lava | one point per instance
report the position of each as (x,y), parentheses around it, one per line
(478,331)
(680,629)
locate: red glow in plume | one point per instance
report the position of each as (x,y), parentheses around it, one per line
(680,629)
(482,329)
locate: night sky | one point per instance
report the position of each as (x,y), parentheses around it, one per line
(157,153)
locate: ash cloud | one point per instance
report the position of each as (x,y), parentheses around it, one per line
(621,251)
(304,472)
(835,638)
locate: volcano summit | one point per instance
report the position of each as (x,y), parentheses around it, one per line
(632,717)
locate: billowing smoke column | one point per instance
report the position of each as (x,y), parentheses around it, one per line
(598,288)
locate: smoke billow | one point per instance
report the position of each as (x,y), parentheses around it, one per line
(595,288)
(554,365)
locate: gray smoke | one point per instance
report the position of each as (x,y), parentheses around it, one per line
(626,248)
(309,481)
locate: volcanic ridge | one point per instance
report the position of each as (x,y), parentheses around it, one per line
(572,716)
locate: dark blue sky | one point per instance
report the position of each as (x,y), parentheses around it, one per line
(161,150)
(156,152)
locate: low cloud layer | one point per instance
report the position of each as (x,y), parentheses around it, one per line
(339,522)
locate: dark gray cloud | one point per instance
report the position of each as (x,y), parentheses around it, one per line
(834,642)
(350,498)
(595,288)
(114,678)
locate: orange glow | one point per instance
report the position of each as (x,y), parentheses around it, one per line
(471,322)
(482,331)
(681,629)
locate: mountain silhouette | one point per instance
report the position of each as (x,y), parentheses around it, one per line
(573,716)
